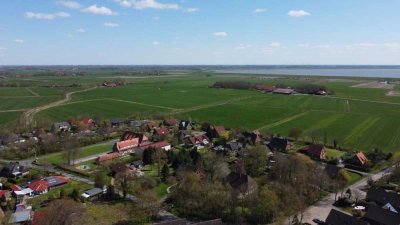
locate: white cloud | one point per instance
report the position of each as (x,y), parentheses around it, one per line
(243,47)
(156,43)
(19,41)
(275,45)
(147,4)
(298,13)
(2,48)
(99,10)
(70,36)
(70,4)
(220,34)
(259,10)
(45,16)
(191,10)
(81,30)
(109,24)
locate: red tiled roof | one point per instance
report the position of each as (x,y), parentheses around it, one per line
(39,185)
(265,87)
(108,156)
(86,121)
(220,130)
(15,187)
(171,121)
(160,144)
(363,159)
(198,139)
(128,144)
(3,192)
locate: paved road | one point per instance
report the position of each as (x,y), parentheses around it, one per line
(321,209)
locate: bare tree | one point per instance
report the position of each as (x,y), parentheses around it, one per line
(64,212)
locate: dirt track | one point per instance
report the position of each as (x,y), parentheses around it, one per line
(30,114)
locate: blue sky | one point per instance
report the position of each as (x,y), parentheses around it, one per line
(53,32)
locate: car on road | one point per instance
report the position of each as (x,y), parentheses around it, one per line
(318,221)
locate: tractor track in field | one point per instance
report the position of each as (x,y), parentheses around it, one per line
(195,108)
(280,122)
(12,110)
(30,114)
(32,92)
(119,100)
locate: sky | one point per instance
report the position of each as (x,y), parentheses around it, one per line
(199,32)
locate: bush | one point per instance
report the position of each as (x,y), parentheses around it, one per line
(234,85)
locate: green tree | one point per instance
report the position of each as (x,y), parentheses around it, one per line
(75,194)
(100,180)
(256,160)
(295,133)
(164,173)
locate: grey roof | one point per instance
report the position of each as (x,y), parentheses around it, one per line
(93,191)
(382,216)
(20,217)
(62,124)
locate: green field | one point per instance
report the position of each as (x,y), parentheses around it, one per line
(370,120)
(59,158)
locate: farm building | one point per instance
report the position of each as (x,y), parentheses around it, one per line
(265,88)
(284,91)
(108,156)
(315,151)
(359,159)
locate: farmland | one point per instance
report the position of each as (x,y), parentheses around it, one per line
(369,120)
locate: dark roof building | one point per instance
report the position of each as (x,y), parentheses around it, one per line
(338,218)
(379,216)
(382,197)
(279,144)
(315,151)
(13,169)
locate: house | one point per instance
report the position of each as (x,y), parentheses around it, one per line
(39,187)
(279,144)
(252,137)
(185,125)
(8,139)
(379,216)
(151,126)
(126,146)
(158,145)
(61,127)
(384,198)
(20,192)
(108,156)
(56,181)
(129,135)
(5,193)
(315,151)
(116,122)
(171,122)
(21,217)
(242,184)
(265,88)
(93,193)
(198,140)
(284,91)
(86,122)
(161,131)
(359,159)
(183,134)
(14,169)
(336,217)
(214,131)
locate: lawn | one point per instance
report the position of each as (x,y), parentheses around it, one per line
(355,177)
(161,190)
(333,153)
(7,117)
(58,158)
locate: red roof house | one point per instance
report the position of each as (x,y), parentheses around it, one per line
(266,88)
(159,145)
(161,131)
(315,151)
(126,146)
(39,187)
(108,156)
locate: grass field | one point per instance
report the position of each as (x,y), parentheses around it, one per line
(370,120)
(58,158)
